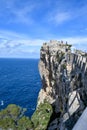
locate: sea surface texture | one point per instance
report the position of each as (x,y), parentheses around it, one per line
(19,83)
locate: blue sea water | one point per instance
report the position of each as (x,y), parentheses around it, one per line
(19,83)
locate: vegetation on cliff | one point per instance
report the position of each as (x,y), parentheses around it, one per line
(41,116)
(12,118)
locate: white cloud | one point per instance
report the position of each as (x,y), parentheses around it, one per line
(22,15)
(6,35)
(60,17)
(18,45)
(17,11)
(76,40)
(65,11)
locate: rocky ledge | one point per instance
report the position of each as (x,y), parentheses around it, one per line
(64,83)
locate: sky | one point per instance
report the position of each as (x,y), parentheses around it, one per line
(26,24)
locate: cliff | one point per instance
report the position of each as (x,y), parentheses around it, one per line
(63,97)
(64,83)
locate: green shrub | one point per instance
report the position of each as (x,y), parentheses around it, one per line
(25,123)
(7,123)
(13,111)
(41,116)
(12,118)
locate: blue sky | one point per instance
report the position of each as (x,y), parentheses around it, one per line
(26,24)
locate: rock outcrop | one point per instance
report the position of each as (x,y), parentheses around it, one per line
(64,83)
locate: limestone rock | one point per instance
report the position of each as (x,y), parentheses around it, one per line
(64,82)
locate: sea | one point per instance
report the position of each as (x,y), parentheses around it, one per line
(20,83)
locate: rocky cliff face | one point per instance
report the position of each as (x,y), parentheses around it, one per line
(64,80)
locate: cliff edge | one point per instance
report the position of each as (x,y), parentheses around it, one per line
(64,83)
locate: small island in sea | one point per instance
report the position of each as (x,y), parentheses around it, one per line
(63,96)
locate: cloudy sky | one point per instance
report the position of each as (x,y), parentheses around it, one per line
(26,24)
